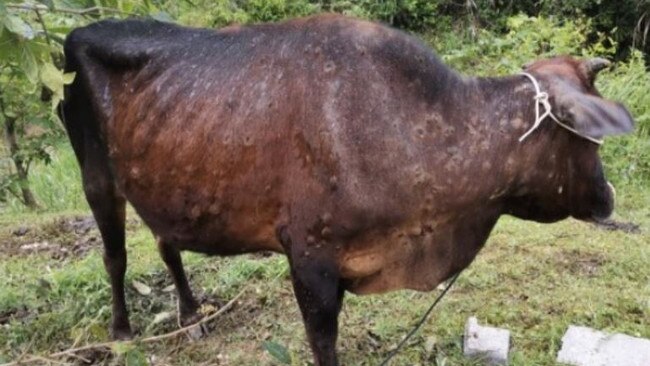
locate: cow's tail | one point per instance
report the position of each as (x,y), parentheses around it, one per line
(92,53)
(76,109)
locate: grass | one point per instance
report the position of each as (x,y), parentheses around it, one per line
(531,278)
(56,186)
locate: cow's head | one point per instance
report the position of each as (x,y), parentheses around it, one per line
(567,175)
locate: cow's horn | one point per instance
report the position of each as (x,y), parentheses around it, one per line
(595,65)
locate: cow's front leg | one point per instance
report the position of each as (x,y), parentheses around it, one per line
(317,286)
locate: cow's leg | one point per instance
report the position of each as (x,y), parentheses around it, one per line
(108,207)
(319,292)
(187,305)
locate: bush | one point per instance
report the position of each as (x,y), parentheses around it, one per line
(274,10)
(527,39)
(628,158)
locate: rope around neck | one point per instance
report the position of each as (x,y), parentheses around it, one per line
(542,98)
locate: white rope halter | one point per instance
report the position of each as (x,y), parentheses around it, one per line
(542,98)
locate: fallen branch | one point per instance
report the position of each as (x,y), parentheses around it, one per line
(44,360)
(72,351)
(86,11)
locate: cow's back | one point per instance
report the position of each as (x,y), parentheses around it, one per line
(219,138)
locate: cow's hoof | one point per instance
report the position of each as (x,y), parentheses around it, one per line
(197,332)
(122,334)
(190,318)
(194,333)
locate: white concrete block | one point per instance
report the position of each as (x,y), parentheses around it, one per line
(582,346)
(487,343)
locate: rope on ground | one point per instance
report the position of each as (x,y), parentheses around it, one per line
(419,323)
(71,351)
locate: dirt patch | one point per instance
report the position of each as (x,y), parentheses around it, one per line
(60,238)
(13,314)
(581,263)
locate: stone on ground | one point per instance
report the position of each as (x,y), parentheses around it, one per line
(487,343)
(582,346)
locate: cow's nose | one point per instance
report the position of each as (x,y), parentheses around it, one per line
(604,209)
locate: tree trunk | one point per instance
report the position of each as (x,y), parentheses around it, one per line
(21,168)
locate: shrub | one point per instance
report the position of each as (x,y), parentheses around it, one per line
(527,39)
(628,158)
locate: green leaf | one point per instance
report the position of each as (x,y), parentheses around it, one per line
(51,77)
(135,357)
(28,63)
(61,29)
(278,352)
(54,79)
(19,27)
(68,78)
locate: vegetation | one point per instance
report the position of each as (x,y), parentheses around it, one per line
(533,279)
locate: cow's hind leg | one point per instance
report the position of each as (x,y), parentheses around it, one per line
(319,292)
(108,207)
(106,202)
(187,305)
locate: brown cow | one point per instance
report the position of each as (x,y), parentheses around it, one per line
(346,145)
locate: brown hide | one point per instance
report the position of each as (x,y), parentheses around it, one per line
(351,136)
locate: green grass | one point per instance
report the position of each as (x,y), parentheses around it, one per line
(56,186)
(531,278)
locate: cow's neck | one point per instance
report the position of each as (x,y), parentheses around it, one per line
(495,113)
(510,169)
(482,161)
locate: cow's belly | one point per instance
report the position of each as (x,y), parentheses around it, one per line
(407,257)
(227,233)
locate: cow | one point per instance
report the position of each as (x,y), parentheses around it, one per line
(344,144)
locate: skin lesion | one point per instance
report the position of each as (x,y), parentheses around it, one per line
(382,262)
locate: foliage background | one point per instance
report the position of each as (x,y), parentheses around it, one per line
(550,266)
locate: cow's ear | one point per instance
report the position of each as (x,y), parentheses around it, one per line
(593,116)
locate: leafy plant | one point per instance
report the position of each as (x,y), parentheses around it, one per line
(628,158)
(31,58)
(527,39)
(278,352)
(22,50)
